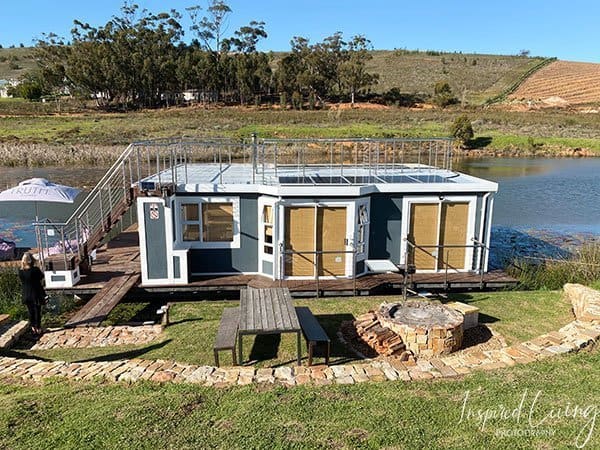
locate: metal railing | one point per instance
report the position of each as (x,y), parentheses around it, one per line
(313,257)
(157,167)
(433,251)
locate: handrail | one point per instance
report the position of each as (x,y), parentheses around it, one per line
(315,263)
(476,244)
(101,183)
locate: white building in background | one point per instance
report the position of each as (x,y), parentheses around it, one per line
(4,85)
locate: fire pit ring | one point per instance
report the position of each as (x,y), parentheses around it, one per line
(426,328)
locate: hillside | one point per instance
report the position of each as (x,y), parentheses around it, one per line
(561,84)
(14,62)
(479,77)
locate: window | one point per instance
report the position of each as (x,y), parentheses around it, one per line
(217,222)
(268,229)
(210,222)
(191,222)
(362,222)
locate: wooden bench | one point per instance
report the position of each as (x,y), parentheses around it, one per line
(313,333)
(227,333)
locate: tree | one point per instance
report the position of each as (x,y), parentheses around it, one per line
(353,72)
(131,60)
(234,66)
(326,69)
(462,130)
(442,94)
(524,53)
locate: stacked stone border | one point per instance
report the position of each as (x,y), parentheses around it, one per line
(582,332)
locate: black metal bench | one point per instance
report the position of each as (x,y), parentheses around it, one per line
(313,333)
(227,333)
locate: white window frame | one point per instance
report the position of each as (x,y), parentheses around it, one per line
(406,206)
(362,255)
(200,244)
(272,202)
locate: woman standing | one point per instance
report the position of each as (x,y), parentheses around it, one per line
(33,291)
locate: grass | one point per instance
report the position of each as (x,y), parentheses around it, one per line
(515,315)
(582,267)
(426,414)
(98,138)
(53,314)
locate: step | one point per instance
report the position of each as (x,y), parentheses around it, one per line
(10,332)
(4,318)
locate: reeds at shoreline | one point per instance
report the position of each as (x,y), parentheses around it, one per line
(583,267)
(40,155)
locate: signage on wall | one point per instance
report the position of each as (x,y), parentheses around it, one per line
(154,211)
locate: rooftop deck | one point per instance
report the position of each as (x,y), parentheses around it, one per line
(272,175)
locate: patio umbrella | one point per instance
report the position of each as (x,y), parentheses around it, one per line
(38,190)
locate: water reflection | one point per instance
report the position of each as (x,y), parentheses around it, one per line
(558,194)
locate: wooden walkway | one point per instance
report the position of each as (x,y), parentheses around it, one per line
(121,256)
(97,309)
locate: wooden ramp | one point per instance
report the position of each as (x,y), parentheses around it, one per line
(97,309)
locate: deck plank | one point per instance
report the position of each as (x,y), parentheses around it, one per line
(98,308)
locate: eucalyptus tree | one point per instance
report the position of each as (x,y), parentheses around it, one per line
(353,73)
(131,60)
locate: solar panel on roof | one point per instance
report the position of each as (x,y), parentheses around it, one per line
(398,179)
(295,180)
(362,179)
(329,180)
(432,179)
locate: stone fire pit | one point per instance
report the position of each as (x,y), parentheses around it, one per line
(426,328)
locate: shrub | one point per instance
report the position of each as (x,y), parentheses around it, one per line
(31,90)
(442,94)
(462,129)
(297,100)
(10,295)
(283,100)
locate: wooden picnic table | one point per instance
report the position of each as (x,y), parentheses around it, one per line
(267,311)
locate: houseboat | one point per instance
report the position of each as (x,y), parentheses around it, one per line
(308,209)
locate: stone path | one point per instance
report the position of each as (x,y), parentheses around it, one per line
(84,337)
(583,332)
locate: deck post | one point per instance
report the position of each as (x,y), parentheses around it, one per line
(299,347)
(240,350)
(317,271)
(481,266)
(254,156)
(354,268)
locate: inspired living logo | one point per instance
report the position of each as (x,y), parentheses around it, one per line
(531,416)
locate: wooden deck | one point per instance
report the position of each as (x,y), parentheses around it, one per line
(121,256)
(97,309)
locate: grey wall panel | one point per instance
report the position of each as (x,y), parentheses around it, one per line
(385,236)
(243,259)
(156,242)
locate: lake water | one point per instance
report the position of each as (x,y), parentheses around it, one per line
(554,195)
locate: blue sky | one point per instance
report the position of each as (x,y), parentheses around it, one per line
(568,30)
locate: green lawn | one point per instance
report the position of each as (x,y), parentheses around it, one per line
(426,414)
(515,315)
